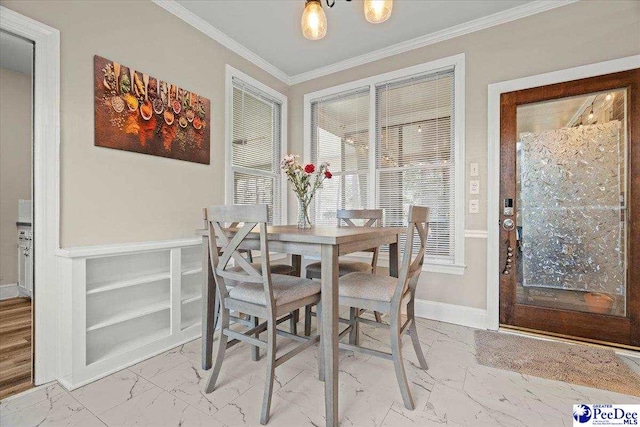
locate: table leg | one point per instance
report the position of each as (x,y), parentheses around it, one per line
(296,262)
(208,306)
(393,259)
(329,287)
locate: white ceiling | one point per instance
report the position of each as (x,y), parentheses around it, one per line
(16,53)
(271,28)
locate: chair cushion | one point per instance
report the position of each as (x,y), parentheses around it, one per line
(286,289)
(368,286)
(344,267)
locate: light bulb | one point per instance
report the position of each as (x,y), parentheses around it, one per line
(590,115)
(609,96)
(314,21)
(377,11)
(419,129)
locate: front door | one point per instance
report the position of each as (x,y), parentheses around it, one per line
(569,214)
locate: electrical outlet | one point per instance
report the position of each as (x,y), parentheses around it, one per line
(473,169)
(474,206)
(474,187)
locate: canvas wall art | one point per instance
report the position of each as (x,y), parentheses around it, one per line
(140,113)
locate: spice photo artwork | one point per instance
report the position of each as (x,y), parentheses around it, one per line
(137,112)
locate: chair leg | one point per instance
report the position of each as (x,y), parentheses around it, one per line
(398,363)
(222,347)
(255,350)
(413,331)
(307,321)
(354,334)
(321,344)
(293,322)
(271,366)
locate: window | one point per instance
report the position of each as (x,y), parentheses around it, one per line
(340,136)
(395,140)
(255,142)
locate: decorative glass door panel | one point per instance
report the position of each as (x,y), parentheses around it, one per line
(571,192)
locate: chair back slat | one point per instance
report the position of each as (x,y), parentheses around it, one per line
(372,217)
(411,267)
(225,241)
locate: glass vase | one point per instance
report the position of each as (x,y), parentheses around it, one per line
(303,214)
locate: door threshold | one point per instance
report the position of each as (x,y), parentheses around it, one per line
(620,349)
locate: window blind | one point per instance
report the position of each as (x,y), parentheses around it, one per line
(415,154)
(256,140)
(340,136)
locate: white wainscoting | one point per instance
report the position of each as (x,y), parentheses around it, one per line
(126,303)
(450,313)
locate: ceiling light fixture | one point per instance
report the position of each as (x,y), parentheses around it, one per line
(314,21)
(609,97)
(377,11)
(590,117)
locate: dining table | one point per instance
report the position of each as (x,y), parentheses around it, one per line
(326,243)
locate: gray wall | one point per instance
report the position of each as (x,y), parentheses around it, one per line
(111,196)
(569,36)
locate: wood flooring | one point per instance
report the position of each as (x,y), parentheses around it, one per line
(15,346)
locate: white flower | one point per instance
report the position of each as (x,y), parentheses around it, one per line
(287,161)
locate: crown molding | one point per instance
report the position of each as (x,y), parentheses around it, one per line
(485,22)
(200,24)
(439,36)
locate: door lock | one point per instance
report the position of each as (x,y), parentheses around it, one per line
(508,224)
(509,261)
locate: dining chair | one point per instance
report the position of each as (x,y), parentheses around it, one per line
(255,292)
(388,295)
(346,217)
(275,269)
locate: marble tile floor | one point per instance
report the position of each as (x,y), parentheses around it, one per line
(168,390)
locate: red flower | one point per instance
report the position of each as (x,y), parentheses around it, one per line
(310,168)
(327,174)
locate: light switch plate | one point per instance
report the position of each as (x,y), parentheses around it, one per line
(474,187)
(473,169)
(474,206)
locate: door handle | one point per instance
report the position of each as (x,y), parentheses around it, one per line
(508,224)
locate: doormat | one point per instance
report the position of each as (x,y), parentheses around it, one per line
(575,364)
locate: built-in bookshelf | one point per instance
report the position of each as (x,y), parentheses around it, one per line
(134,301)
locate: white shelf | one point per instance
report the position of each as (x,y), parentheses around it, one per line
(191,298)
(149,309)
(190,323)
(119,284)
(131,344)
(191,271)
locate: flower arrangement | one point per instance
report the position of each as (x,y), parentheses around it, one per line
(306,181)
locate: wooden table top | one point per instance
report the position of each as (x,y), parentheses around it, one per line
(324,235)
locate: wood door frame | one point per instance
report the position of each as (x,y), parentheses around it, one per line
(601,327)
(495,90)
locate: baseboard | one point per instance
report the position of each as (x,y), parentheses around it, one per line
(9,291)
(450,313)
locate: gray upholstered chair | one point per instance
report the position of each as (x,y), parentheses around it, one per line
(388,295)
(255,292)
(370,218)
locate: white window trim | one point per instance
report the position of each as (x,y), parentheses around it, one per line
(458,63)
(228,120)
